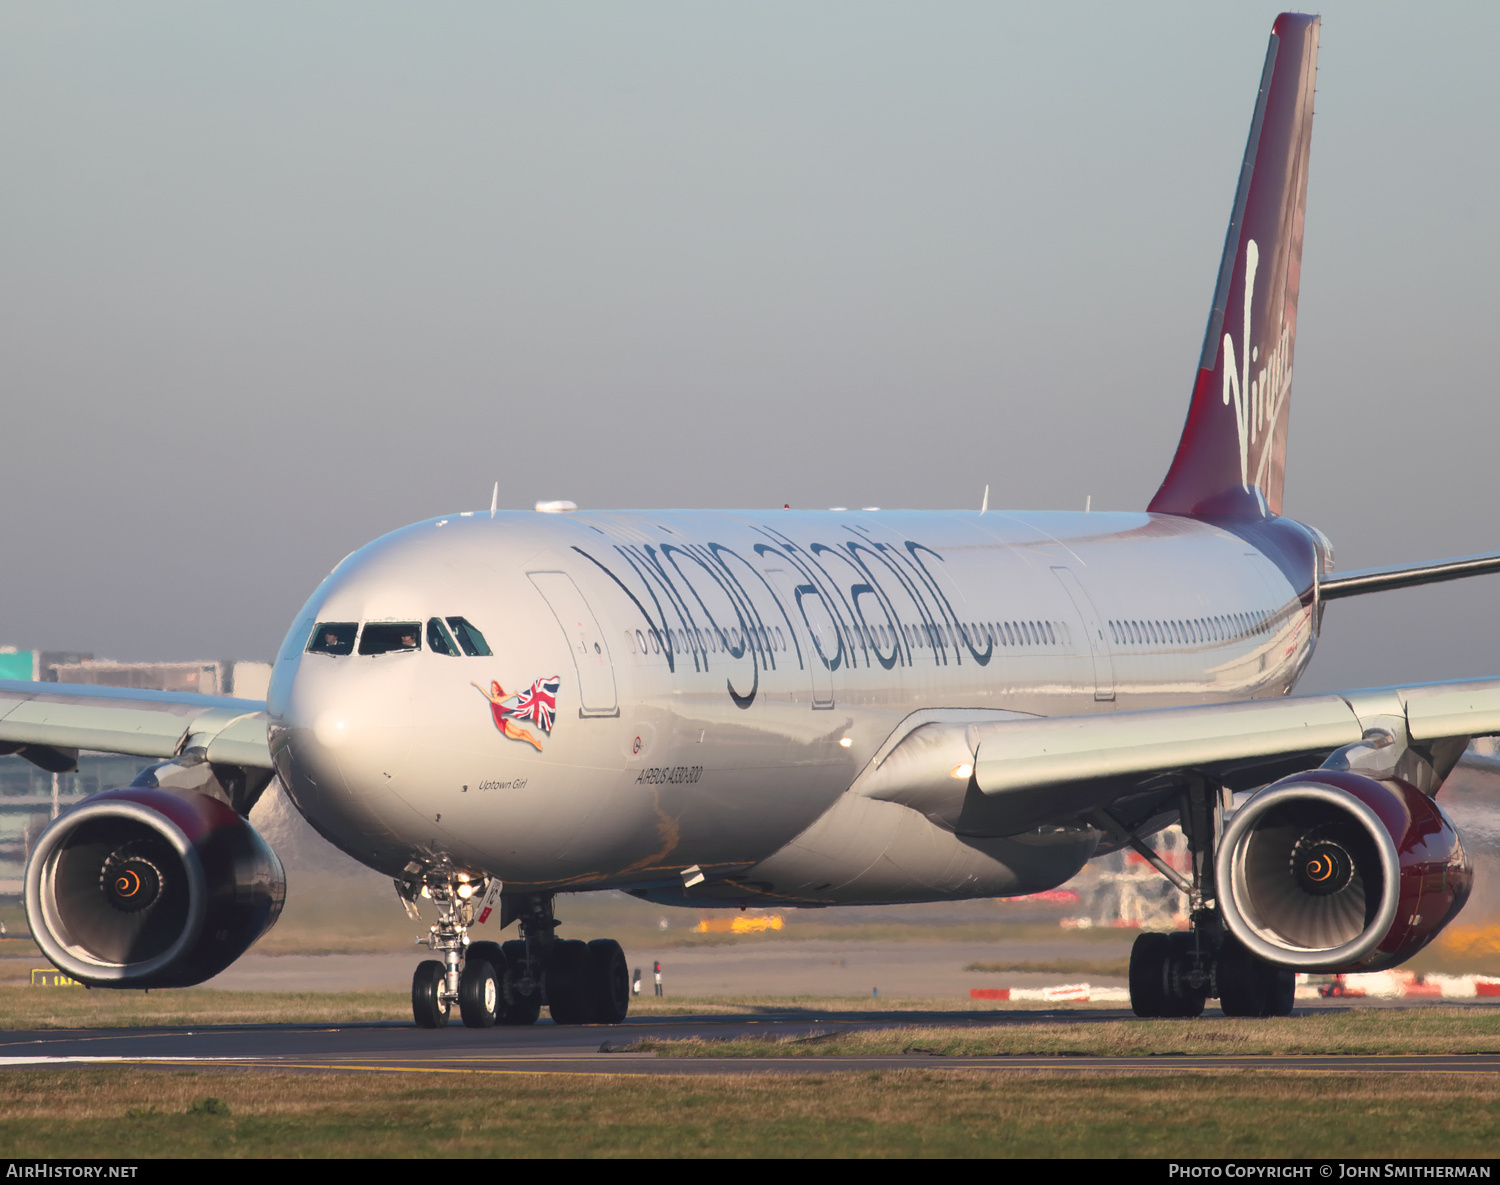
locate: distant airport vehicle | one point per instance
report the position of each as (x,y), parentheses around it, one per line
(798,709)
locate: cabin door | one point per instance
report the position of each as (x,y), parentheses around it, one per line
(596,672)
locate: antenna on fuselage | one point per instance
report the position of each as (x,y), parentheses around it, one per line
(495,500)
(985,504)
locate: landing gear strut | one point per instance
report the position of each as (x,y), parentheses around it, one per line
(508,983)
(1174,975)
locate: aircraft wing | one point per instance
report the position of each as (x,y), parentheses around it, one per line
(48,723)
(1004,777)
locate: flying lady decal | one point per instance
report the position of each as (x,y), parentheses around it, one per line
(537,706)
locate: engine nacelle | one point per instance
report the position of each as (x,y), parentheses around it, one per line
(1335,871)
(141,888)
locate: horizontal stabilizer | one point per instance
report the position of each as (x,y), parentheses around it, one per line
(1353,584)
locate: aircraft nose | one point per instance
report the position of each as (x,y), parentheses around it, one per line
(334,725)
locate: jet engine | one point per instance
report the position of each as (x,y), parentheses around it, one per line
(1335,871)
(141,888)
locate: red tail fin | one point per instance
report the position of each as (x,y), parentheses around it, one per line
(1231,460)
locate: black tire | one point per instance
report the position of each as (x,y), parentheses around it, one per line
(479,999)
(491,952)
(1242,981)
(1280,989)
(428,1008)
(570,983)
(1148,974)
(611,981)
(519,1008)
(1181,999)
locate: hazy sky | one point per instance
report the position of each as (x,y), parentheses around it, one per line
(276,278)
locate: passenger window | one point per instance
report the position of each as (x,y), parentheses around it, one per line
(469,638)
(333,637)
(440,641)
(387,637)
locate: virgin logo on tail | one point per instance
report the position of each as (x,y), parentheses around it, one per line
(1258,400)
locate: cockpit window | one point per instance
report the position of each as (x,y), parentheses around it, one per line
(439,640)
(385,637)
(468,637)
(296,640)
(333,637)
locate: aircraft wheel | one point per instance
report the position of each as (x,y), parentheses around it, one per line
(1182,998)
(611,981)
(1149,959)
(1281,989)
(518,1008)
(1242,981)
(491,952)
(570,983)
(428,1007)
(478,992)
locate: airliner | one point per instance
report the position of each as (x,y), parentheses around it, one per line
(798,709)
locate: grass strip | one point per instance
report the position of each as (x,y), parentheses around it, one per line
(124,1112)
(1356,1031)
(79,1008)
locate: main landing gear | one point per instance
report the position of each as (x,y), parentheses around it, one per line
(508,983)
(1174,975)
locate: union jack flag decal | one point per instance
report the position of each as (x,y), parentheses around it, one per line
(539,705)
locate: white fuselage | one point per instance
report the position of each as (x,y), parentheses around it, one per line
(722,679)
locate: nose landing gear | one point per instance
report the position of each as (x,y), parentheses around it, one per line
(508,983)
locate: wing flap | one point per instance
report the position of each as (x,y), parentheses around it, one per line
(1445,710)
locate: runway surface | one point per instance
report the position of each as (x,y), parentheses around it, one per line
(594,1049)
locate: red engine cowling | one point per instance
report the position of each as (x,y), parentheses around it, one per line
(141,888)
(1334,871)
